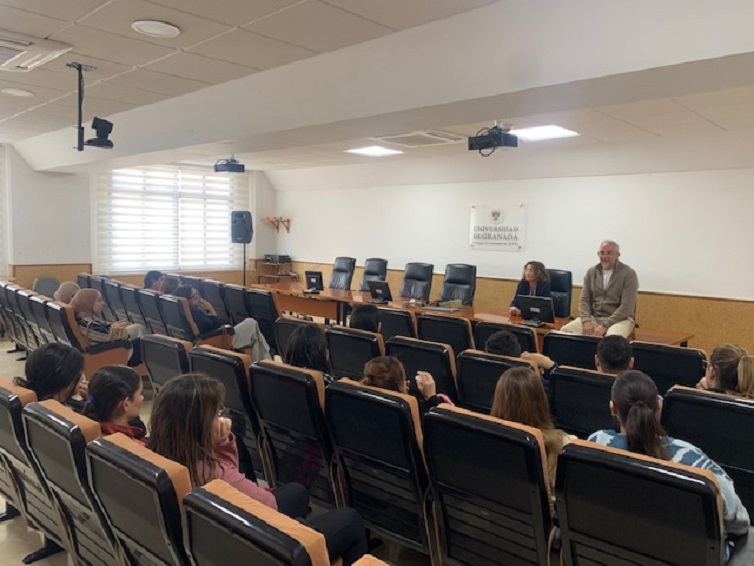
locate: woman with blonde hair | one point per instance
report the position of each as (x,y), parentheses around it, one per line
(730,370)
(520,397)
(535,282)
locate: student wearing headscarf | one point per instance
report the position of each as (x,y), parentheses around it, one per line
(66,291)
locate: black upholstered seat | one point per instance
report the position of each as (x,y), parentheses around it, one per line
(721,426)
(451,330)
(232,369)
(342,273)
(132,304)
(459,283)
(615,507)
(84,280)
(214,293)
(375,269)
(491,487)
(478,374)
(669,365)
(397,322)
(180,324)
(290,404)
(114,299)
(164,357)
(580,400)
(524,334)
(264,309)
(570,349)
(23,300)
(236,303)
(561,286)
(284,327)
(350,349)
(39,309)
(150,307)
(417,281)
(418,355)
(98,282)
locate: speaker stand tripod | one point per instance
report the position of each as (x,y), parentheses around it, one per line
(244,265)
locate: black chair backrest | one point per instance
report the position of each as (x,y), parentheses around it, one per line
(561,286)
(130,297)
(615,507)
(164,358)
(290,405)
(284,327)
(451,330)
(574,350)
(351,349)
(58,437)
(417,355)
(192,281)
(150,306)
(397,322)
(178,322)
(488,475)
(375,269)
(417,281)
(264,309)
(39,309)
(721,426)
(478,374)
(669,365)
(377,439)
(23,297)
(525,335)
(580,400)
(172,280)
(45,286)
(114,300)
(84,280)
(214,293)
(232,369)
(459,283)
(98,282)
(235,301)
(342,273)
(64,326)
(139,493)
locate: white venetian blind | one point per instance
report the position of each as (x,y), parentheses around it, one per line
(167,219)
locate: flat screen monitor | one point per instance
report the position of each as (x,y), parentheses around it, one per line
(314,280)
(380,291)
(537,309)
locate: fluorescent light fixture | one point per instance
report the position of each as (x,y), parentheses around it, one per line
(373,151)
(17,92)
(540,133)
(156,28)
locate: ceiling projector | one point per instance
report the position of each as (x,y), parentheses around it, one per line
(492,138)
(229,166)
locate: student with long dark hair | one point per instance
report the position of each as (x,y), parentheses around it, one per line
(115,396)
(636,407)
(365,317)
(535,281)
(307,349)
(55,371)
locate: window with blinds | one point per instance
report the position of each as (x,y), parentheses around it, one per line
(167,219)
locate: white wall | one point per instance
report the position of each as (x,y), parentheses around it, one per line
(49,220)
(263,203)
(685,233)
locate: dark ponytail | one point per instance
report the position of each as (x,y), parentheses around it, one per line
(635,398)
(108,387)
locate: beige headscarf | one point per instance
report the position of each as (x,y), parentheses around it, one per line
(83,303)
(66,291)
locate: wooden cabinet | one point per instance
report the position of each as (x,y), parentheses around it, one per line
(274,272)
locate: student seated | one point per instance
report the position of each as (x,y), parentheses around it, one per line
(246,334)
(307,348)
(153,280)
(521,398)
(365,317)
(87,305)
(115,396)
(535,282)
(504,343)
(55,371)
(387,372)
(614,355)
(66,291)
(636,406)
(187,426)
(730,370)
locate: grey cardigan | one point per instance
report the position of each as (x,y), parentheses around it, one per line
(611,305)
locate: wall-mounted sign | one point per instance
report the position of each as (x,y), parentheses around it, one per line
(499,228)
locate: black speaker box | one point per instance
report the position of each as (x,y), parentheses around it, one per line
(240,227)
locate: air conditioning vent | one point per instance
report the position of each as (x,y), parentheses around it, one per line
(22,53)
(421,139)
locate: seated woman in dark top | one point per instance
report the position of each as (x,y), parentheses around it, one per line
(365,317)
(535,282)
(307,349)
(246,334)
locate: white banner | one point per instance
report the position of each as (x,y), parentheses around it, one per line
(500,228)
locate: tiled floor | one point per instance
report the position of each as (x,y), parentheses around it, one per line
(16,540)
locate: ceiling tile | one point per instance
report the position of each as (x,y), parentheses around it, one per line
(200,68)
(117,18)
(251,50)
(157,82)
(643,108)
(233,12)
(42,94)
(102,69)
(735,117)
(111,47)
(93,106)
(400,14)
(729,97)
(43,78)
(318,26)
(70,10)
(126,94)
(673,123)
(29,23)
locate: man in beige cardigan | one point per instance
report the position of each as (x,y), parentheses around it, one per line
(608,298)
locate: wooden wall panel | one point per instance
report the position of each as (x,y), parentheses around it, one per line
(24,275)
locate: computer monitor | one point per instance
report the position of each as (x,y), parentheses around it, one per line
(314,280)
(380,291)
(536,309)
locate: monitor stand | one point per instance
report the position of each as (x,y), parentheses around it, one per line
(533,322)
(378,301)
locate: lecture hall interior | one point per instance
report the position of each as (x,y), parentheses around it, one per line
(660,95)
